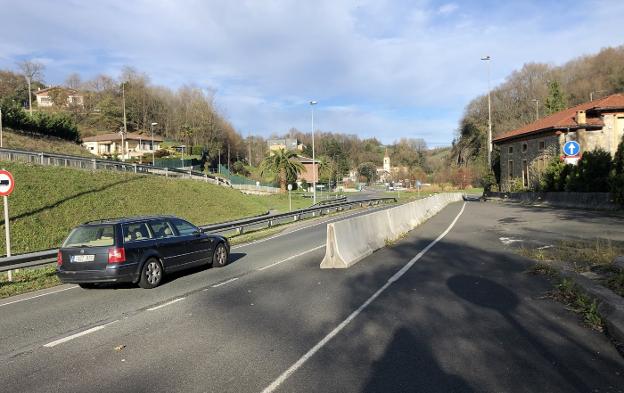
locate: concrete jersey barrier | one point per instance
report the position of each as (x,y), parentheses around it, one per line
(350,240)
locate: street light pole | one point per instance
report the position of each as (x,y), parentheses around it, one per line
(153,157)
(125,128)
(314,168)
(489,146)
(536,101)
(591,94)
(1,127)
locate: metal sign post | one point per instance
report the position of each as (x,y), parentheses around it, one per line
(6,188)
(289,198)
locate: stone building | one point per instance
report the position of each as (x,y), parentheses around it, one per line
(526,151)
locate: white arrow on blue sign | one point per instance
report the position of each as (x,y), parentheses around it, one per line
(571,148)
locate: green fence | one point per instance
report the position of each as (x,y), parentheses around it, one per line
(238,179)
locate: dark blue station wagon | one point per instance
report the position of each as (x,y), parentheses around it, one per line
(138,250)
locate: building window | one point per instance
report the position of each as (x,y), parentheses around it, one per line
(510,150)
(525,173)
(510,169)
(525,147)
(542,145)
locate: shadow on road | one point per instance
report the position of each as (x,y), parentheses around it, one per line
(409,366)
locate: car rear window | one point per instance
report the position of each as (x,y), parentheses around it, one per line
(91,236)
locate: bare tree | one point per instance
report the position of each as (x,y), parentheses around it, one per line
(31,70)
(73,81)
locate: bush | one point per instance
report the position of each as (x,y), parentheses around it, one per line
(591,174)
(57,124)
(555,176)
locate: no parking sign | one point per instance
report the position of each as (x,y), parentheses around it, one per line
(6,188)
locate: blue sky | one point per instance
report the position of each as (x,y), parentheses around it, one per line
(387,68)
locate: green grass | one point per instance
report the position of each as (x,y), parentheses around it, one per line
(581,254)
(27,281)
(568,293)
(17,140)
(48,201)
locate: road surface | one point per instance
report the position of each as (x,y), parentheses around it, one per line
(464,316)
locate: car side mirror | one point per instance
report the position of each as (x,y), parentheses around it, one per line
(197,232)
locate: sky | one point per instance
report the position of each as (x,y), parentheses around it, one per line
(387,69)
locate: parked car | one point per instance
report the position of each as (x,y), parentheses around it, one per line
(138,250)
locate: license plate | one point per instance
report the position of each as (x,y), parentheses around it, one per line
(83,258)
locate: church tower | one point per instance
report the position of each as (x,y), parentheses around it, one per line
(386,162)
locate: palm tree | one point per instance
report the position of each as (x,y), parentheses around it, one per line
(284,163)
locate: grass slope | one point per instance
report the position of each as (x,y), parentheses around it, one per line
(17,140)
(48,201)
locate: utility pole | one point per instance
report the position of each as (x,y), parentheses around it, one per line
(1,127)
(489,146)
(314,167)
(228,163)
(125,128)
(29,96)
(536,101)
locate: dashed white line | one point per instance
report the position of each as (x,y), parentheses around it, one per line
(73,336)
(275,384)
(291,257)
(166,304)
(225,282)
(36,296)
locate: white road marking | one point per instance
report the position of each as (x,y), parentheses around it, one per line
(354,314)
(508,240)
(302,228)
(73,336)
(291,257)
(36,296)
(225,282)
(166,304)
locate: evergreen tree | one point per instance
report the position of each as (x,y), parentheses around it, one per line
(556,100)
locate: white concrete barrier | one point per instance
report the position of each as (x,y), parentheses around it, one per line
(350,240)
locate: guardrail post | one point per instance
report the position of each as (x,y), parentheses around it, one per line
(94,164)
(206,177)
(41,157)
(190,173)
(135,167)
(166,172)
(270,223)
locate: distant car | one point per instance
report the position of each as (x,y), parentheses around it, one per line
(140,250)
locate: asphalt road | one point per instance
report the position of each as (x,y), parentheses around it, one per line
(464,317)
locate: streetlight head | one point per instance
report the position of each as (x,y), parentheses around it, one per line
(534,100)
(154,124)
(313,102)
(485,58)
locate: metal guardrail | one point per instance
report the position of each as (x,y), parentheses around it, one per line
(52,159)
(49,256)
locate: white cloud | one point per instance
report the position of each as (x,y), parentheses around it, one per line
(448,8)
(380,67)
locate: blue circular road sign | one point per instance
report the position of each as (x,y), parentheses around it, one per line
(571,148)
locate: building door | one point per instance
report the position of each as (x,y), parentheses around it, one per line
(525,173)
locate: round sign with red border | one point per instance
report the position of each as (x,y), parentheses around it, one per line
(6,183)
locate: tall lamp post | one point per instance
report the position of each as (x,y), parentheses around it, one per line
(152,129)
(536,101)
(0,127)
(314,168)
(489,146)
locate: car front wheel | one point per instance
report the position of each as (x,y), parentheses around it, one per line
(151,274)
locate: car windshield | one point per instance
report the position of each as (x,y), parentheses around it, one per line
(91,236)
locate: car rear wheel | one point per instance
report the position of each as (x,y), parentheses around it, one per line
(151,274)
(220,256)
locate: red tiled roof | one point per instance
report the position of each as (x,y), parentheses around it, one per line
(41,91)
(567,118)
(115,136)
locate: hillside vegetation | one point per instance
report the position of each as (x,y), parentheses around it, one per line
(48,201)
(39,143)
